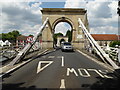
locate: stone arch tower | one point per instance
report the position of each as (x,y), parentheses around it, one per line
(68,15)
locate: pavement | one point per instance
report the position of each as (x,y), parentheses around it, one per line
(61,70)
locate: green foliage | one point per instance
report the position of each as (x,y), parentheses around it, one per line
(69,35)
(31,35)
(0,36)
(11,36)
(55,37)
(59,34)
(114,43)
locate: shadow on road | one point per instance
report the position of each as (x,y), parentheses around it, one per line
(108,83)
(19,87)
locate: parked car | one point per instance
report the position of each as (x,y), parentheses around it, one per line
(66,46)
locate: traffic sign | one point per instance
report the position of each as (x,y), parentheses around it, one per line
(29,39)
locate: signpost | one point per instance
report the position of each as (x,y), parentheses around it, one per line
(29,39)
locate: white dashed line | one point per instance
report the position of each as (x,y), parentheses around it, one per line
(59,56)
(51,57)
(43,56)
(62,83)
(62,61)
(98,62)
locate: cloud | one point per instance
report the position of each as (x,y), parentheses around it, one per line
(108,17)
(104,30)
(21,16)
(102,10)
(62,27)
(76,4)
(27,18)
(102,14)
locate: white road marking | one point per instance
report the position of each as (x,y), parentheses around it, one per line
(62,61)
(105,72)
(98,62)
(62,83)
(43,62)
(21,64)
(71,70)
(86,72)
(82,69)
(51,57)
(43,56)
(59,56)
(96,72)
(14,67)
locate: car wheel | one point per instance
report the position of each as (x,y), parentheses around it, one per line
(62,50)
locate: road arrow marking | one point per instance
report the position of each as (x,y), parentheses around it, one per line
(39,68)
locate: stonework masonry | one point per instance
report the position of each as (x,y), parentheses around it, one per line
(68,15)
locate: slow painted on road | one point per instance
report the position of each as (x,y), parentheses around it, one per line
(59,70)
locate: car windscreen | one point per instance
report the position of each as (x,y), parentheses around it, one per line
(67,43)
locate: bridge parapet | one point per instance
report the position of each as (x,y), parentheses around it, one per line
(97,48)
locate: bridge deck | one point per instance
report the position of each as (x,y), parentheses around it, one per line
(60,70)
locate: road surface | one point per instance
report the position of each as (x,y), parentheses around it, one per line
(60,70)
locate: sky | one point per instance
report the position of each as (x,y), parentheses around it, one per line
(25,15)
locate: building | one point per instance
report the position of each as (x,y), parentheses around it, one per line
(23,40)
(6,43)
(105,39)
(60,38)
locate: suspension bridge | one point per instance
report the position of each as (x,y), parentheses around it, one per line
(49,68)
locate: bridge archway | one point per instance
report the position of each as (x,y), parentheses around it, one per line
(65,23)
(61,39)
(68,15)
(62,19)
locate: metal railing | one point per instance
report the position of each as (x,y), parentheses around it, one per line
(95,45)
(112,52)
(26,49)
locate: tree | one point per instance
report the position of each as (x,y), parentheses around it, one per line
(31,35)
(11,36)
(59,34)
(15,33)
(114,43)
(69,35)
(55,37)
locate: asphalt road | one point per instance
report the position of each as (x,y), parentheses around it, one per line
(66,70)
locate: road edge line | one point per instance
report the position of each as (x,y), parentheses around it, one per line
(96,61)
(22,64)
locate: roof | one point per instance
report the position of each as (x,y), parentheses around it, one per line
(22,37)
(105,37)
